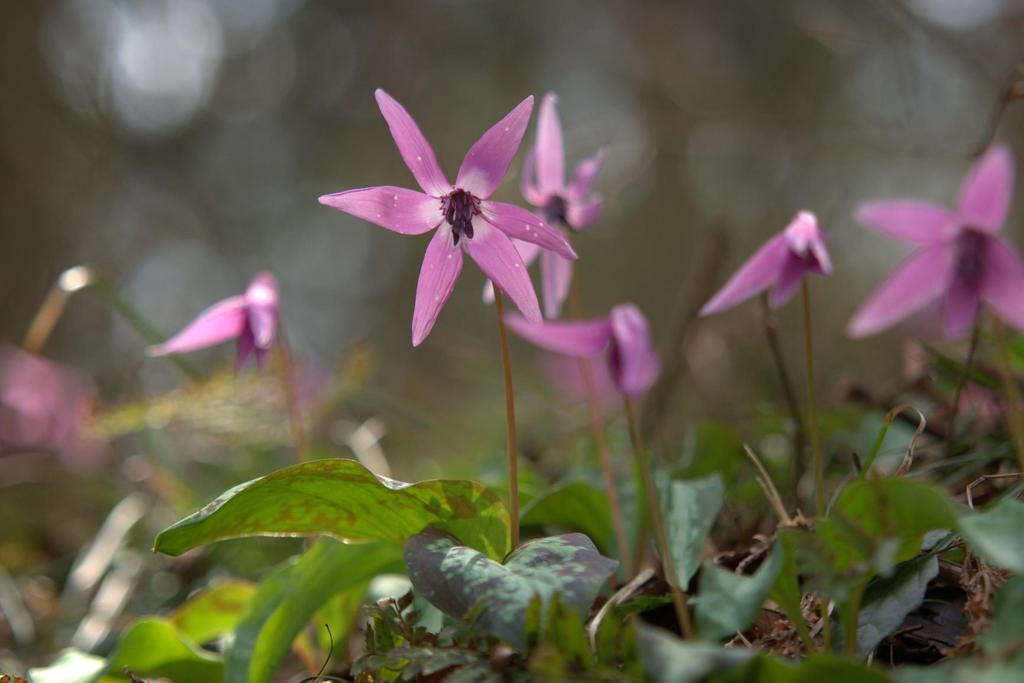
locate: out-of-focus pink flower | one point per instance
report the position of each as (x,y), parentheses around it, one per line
(781,264)
(566,375)
(461,213)
(960,261)
(43,406)
(623,337)
(562,205)
(250,319)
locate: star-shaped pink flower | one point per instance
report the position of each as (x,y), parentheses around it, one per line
(623,336)
(249,318)
(781,264)
(961,262)
(465,218)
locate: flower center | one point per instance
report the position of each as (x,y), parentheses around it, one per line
(554,210)
(970,257)
(459,208)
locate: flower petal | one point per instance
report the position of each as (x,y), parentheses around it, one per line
(550,150)
(413,146)
(580,214)
(960,308)
(245,347)
(499,260)
(555,278)
(1003,284)
(922,277)
(909,220)
(987,190)
(220,322)
(793,272)
(584,175)
(528,181)
(262,309)
(404,211)
(526,226)
(442,263)
(757,274)
(634,362)
(487,161)
(581,338)
(528,251)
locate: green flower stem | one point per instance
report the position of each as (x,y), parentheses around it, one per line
(510,421)
(812,410)
(654,510)
(1014,418)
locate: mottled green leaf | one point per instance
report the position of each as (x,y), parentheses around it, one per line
(342,499)
(457,579)
(213,611)
(995,534)
(71,666)
(286,600)
(889,599)
(574,507)
(729,602)
(154,648)
(690,510)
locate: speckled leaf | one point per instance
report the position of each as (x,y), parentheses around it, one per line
(343,499)
(456,579)
(729,602)
(576,506)
(213,611)
(690,510)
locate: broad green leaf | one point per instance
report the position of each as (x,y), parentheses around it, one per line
(457,579)
(690,510)
(667,659)
(574,507)
(729,602)
(889,599)
(1007,627)
(213,611)
(995,534)
(815,669)
(154,648)
(286,600)
(343,499)
(71,666)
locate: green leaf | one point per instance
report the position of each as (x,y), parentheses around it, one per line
(815,669)
(574,507)
(995,534)
(457,579)
(343,499)
(154,648)
(286,600)
(668,659)
(888,600)
(690,510)
(1007,630)
(213,611)
(729,602)
(71,666)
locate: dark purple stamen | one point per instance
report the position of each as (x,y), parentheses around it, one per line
(459,208)
(969,257)
(554,211)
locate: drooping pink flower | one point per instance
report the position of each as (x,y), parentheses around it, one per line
(462,213)
(623,336)
(780,264)
(961,262)
(250,319)
(564,206)
(43,406)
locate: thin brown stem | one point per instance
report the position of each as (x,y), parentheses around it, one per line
(654,510)
(788,392)
(291,397)
(1014,418)
(812,410)
(954,409)
(50,311)
(510,420)
(601,444)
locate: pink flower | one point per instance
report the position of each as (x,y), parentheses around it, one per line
(250,319)
(561,205)
(781,264)
(462,213)
(961,262)
(623,336)
(42,409)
